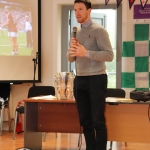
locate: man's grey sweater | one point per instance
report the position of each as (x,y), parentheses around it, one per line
(96,41)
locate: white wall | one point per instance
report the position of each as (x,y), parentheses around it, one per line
(51,43)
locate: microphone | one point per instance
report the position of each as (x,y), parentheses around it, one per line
(74,31)
(36,59)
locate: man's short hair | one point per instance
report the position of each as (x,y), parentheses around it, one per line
(87,3)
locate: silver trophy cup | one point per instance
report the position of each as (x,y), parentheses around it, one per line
(63,83)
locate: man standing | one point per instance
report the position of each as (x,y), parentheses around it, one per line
(28,28)
(90,49)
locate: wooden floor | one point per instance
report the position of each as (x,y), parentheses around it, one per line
(63,141)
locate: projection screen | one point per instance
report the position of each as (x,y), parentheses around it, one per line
(20,43)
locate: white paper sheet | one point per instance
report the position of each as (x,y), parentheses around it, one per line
(47,97)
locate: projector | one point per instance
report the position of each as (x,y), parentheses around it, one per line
(140,95)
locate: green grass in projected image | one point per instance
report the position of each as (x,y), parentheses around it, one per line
(5,46)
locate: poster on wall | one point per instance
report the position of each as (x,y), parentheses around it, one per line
(140,13)
(136,59)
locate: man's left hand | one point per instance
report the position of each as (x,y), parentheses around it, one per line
(78,50)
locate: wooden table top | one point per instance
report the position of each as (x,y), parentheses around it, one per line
(109,100)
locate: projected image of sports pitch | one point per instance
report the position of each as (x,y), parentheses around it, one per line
(20,40)
(15,43)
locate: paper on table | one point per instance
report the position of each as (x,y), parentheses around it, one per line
(117,99)
(111,99)
(47,97)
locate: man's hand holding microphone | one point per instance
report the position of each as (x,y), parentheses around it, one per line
(76,49)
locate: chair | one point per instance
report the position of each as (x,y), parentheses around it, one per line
(33,91)
(115,92)
(5,95)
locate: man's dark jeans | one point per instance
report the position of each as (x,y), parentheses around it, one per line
(89,92)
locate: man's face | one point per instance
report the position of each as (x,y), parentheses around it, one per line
(81,13)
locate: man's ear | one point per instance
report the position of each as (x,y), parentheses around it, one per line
(89,10)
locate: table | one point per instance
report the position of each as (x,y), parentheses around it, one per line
(126,121)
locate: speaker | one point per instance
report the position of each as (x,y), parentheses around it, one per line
(140,95)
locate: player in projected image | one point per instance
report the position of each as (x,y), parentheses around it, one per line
(12,30)
(28,28)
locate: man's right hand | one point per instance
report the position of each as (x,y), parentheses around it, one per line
(73,42)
